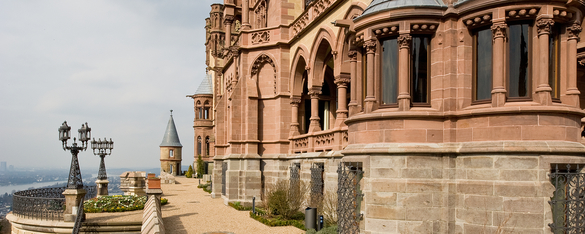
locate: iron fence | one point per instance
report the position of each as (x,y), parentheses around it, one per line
(568,201)
(43,203)
(349,197)
(79,218)
(295,176)
(317,170)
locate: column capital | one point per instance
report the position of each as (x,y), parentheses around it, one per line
(342,81)
(228,19)
(574,31)
(370,46)
(404,40)
(499,30)
(314,93)
(352,54)
(544,26)
(295,102)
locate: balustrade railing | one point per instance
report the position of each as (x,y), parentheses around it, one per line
(320,141)
(43,203)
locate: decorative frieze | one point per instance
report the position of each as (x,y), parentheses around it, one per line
(260,37)
(562,14)
(316,8)
(386,31)
(478,21)
(522,13)
(423,28)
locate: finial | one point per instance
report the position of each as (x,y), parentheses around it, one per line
(171,112)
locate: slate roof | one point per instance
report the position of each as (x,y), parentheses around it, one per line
(385,5)
(171,137)
(205,86)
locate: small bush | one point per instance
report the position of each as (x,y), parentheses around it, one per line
(238,206)
(189,172)
(205,187)
(277,221)
(285,199)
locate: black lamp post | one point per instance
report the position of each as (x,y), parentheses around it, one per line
(102,148)
(74,181)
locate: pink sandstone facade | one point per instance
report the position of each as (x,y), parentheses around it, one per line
(457,112)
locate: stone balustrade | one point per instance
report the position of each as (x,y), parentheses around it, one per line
(335,139)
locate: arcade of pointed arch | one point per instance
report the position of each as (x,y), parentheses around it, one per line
(261,60)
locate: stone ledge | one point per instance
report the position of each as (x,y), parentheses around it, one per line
(547,147)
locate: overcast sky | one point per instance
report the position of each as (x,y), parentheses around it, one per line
(120,66)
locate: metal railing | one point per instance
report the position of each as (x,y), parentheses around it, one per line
(568,201)
(43,203)
(317,170)
(349,197)
(79,218)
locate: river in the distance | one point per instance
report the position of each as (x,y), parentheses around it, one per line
(9,188)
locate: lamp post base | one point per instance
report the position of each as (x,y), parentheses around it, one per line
(102,187)
(72,199)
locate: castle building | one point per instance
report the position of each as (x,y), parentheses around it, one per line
(171,150)
(426,116)
(203,122)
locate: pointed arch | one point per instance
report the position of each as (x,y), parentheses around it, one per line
(260,61)
(344,39)
(299,66)
(322,45)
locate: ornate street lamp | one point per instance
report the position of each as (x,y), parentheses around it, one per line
(103,148)
(74,181)
(74,192)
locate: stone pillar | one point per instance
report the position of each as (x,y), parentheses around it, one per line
(370,46)
(245,15)
(572,90)
(353,105)
(404,42)
(72,199)
(341,83)
(314,125)
(228,30)
(543,91)
(498,70)
(294,125)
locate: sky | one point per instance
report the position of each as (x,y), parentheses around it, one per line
(120,66)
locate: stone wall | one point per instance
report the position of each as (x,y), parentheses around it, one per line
(152,221)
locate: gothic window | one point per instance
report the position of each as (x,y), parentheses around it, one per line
(206,110)
(198,110)
(482,65)
(554,61)
(518,60)
(198,145)
(261,13)
(419,56)
(389,71)
(207,146)
(171,153)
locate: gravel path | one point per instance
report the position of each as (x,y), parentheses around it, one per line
(191,210)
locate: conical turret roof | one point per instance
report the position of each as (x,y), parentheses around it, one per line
(171,137)
(205,86)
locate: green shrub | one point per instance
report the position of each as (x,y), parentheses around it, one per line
(285,199)
(189,172)
(238,206)
(200,167)
(277,221)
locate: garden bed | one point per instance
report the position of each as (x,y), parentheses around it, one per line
(116,203)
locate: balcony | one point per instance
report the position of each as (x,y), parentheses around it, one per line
(335,139)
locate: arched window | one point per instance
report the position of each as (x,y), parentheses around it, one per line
(198,110)
(206,110)
(199,145)
(207,146)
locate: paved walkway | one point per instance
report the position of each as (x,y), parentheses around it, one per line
(191,210)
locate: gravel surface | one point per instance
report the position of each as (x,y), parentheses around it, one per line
(191,210)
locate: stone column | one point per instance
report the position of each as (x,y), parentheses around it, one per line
(543,91)
(294,125)
(353,105)
(314,125)
(245,15)
(341,83)
(370,46)
(228,30)
(72,199)
(498,70)
(572,90)
(404,42)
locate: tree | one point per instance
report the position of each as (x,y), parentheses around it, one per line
(200,167)
(189,173)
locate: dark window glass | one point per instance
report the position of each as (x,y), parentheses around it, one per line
(420,68)
(389,71)
(553,62)
(518,62)
(198,145)
(483,64)
(207,146)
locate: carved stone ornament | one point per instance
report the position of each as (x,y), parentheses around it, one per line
(582,61)
(544,26)
(404,40)
(499,30)
(258,63)
(352,54)
(342,81)
(260,37)
(370,46)
(314,93)
(574,31)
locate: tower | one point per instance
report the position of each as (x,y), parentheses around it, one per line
(171,150)
(203,122)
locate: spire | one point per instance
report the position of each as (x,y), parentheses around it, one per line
(171,137)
